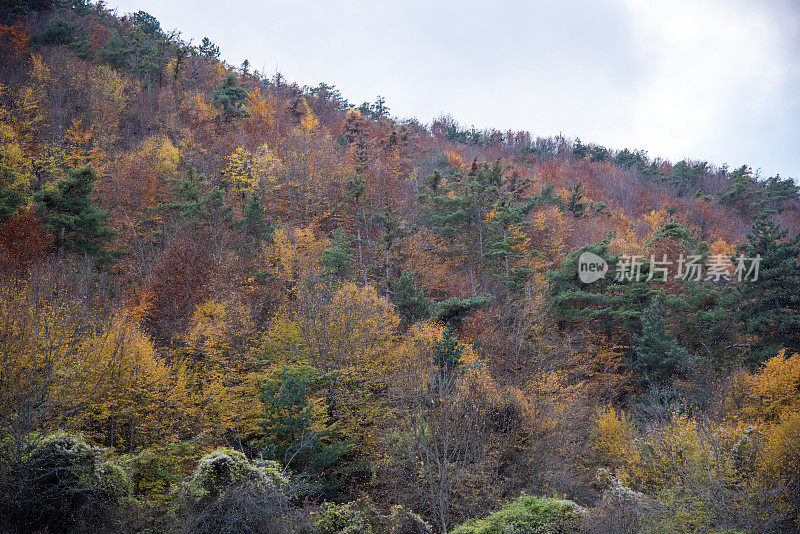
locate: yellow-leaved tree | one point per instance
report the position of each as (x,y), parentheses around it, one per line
(295,253)
(741,469)
(131,381)
(12,148)
(45,371)
(250,172)
(446,403)
(108,94)
(79,147)
(315,173)
(773,404)
(219,369)
(30,101)
(548,234)
(774,391)
(351,331)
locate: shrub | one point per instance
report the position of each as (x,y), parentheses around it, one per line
(342,519)
(113,482)
(620,510)
(248,508)
(363,517)
(151,476)
(229,494)
(528,515)
(156,471)
(63,468)
(59,483)
(615,434)
(225,468)
(404,521)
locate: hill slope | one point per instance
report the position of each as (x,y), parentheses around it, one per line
(197,256)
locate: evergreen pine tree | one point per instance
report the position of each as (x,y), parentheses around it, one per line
(336,259)
(701,318)
(454,310)
(10,199)
(77,223)
(254,222)
(575,205)
(447,357)
(147,23)
(656,352)
(615,305)
(207,48)
(393,233)
(456,206)
(769,307)
(743,190)
(198,203)
(116,50)
(579,150)
(410,303)
(230,97)
(293,437)
(504,237)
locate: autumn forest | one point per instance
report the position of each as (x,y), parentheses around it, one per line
(232,303)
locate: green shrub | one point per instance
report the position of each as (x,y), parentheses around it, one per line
(152,478)
(342,519)
(158,470)
(225,468)
(229,494)
(363,517)
(113,482)
(404,521)
(57,483)
(249,508)
(528,515)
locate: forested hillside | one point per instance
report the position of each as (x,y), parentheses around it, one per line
(229,303)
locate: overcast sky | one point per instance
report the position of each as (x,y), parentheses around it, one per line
(701,79)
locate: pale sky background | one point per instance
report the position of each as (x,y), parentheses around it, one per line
(710,80)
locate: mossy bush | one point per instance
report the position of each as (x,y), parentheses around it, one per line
(113,481)
(343,518)
(229,494)
(404,521)
(60,484)
(248,508)
(363,517)
(225,468)
(528,515)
